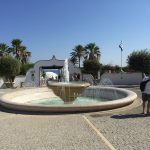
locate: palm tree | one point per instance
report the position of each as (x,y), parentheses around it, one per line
(16,44)
(24,54)
(74,60)
(21,53)
(92,52)
(4,49)
(77,54)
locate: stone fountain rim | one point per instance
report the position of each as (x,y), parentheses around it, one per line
(131,96)
(69,84)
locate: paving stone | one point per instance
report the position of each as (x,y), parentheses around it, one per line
(126,130)
(49,132)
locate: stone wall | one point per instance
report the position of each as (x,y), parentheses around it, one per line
(123,78)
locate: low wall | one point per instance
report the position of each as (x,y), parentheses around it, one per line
(88,78)
(123,78)
(17,81)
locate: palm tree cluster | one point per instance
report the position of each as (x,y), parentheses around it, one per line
(88,52)
(4,49)
(18,50)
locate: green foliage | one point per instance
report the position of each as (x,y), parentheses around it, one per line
(77,54)
(9,68)
(4,49)
(106,68)
(19,51)
(24,68)
(127,69)
(43,74)
(92,52)
(91,67)
(139,60)
(74,60)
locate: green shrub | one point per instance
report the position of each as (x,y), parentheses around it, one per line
(139,60)
(91,67)
(9,68)
(24,68)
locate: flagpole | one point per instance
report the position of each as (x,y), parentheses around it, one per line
(121,48)
(121,60)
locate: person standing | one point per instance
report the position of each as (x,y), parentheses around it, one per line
(145,89)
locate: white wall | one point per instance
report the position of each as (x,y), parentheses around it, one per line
(73,69)
(1,82)
(123,78)
(18,80)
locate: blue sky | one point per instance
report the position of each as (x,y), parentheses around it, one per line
(49,27)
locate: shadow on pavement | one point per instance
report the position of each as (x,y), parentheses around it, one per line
(127,116)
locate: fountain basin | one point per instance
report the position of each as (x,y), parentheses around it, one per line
(20,100)
(68,91)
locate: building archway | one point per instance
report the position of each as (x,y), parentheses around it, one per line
(49,64)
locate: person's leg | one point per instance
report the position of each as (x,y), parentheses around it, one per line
(148,102)
(148,106)
(144,101)
(144,107)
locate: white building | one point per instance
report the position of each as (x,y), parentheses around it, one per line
(33,76)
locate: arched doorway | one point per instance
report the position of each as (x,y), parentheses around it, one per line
(44,65)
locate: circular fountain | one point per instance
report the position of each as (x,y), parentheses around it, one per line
(44,100)
(67,97)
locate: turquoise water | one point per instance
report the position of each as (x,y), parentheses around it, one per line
(58,101)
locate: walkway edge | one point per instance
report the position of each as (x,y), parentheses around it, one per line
(99,133)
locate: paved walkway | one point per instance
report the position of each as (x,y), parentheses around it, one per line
(113,130)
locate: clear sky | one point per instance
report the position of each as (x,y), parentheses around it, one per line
(50,27)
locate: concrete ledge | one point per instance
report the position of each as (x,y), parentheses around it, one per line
(19,100)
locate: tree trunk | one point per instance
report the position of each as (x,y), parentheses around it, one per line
(79,62)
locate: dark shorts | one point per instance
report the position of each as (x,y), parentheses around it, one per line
(145,97)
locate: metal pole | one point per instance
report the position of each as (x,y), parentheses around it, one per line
(121,60)
(121,48)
